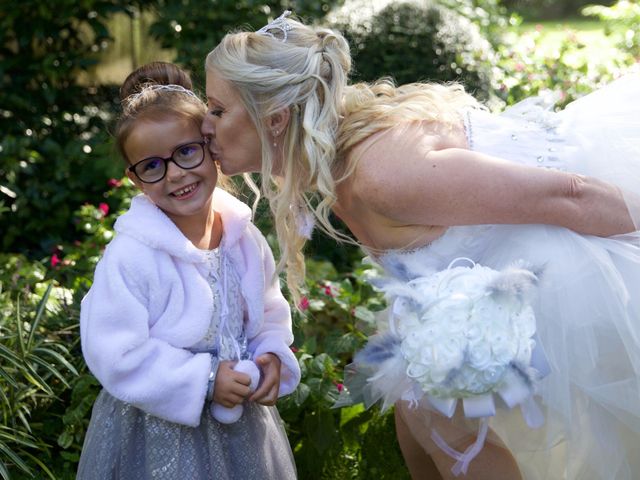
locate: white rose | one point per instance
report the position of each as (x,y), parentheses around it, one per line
(480,355)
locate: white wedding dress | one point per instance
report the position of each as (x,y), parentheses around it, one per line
(587,305)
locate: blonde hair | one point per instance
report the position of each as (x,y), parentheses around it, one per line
(369,108)
(143,98)
(308,73)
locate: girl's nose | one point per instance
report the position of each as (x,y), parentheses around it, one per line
(174,172)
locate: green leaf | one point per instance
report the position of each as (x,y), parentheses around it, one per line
(39,314)
(322,430)
(65,439)
(300,394)
(7,452)
(363,313)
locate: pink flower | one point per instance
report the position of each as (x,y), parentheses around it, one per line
(329,291)
(519,67)
(304,304)
(114,183)
(339,386)
(104,208)
(294,349)
(55,260)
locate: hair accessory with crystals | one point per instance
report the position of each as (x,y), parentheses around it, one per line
(156,87)
(279,23)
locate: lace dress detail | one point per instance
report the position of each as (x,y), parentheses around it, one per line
(226,337)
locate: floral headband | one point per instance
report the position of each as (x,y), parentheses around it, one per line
(280,24)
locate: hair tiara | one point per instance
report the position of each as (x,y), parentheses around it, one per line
(279,23)
(171,87)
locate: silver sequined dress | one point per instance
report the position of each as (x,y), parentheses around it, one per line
(125,443)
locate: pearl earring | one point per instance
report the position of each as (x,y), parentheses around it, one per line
(275,135)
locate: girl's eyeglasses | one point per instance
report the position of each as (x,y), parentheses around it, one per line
(154,169)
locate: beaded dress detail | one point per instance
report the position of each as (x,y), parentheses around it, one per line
(126,443)
(587,302)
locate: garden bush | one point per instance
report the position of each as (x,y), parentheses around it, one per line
(192,28)
(416,41)
(623,15)
(55,147)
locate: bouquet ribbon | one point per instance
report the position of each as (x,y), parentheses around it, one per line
(515,391)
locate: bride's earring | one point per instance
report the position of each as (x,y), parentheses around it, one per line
(275,136)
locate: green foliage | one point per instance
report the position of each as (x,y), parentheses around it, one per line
(412,41)
(36,365)
(335,315)
(194,27)
(549,9)
(55,153)
(44,376)
(567,74)
(625,15)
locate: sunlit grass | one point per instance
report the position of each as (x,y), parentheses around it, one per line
(597,45)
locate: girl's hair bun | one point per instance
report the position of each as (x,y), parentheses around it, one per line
(160,73)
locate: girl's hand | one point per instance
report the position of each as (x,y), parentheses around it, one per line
(231,387)
(267,393)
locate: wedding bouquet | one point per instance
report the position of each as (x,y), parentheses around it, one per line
(465,333)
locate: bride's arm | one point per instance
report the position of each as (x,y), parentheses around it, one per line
(413,184)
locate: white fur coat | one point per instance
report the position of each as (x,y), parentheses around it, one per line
(150,301)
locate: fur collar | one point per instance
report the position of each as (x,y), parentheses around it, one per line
(145,222)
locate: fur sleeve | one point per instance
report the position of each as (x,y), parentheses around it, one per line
(131,364)
(276,335)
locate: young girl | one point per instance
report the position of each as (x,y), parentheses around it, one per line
(184,291)
(499,240)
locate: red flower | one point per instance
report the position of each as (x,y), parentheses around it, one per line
(329,291)
(104,208)
(114,183)
(339,386)
(304,304)
(294,349)
(55,260)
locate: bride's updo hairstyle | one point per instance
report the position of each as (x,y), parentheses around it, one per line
(287,64)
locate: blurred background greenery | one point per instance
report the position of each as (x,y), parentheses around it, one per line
(61,184)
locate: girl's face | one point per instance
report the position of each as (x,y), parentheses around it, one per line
(234,142)
(184,195)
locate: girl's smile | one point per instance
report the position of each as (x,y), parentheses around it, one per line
(186,192)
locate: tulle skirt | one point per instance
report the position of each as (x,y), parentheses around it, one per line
(125,443)
(588,299)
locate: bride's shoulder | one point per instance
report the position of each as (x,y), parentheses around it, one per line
(394,152)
